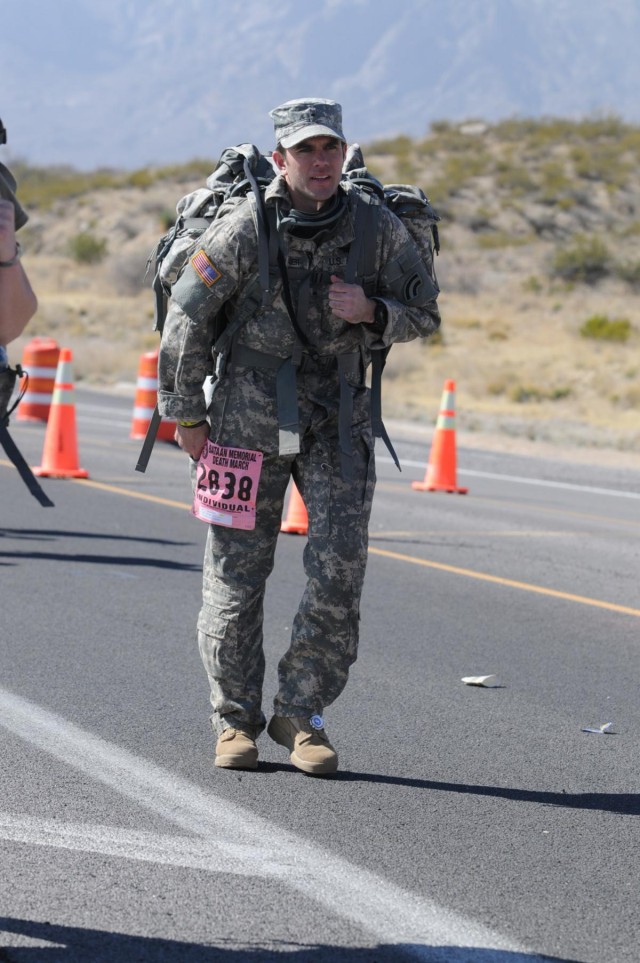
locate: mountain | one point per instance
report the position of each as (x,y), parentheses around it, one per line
(126,83)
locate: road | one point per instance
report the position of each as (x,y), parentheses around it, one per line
(466,824)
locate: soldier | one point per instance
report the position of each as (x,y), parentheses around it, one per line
(18,303)
(293,397)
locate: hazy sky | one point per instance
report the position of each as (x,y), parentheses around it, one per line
(132,82)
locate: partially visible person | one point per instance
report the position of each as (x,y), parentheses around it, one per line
(18,303)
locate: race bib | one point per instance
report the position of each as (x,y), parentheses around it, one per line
(226,486)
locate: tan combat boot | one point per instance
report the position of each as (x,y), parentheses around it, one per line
(236,750)
(307,742)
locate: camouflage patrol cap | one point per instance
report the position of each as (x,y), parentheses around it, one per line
(297,120)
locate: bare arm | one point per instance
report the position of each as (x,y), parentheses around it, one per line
(18,302)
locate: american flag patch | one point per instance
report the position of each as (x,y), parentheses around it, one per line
(205,269)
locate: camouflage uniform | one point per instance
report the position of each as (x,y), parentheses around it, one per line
(243,413)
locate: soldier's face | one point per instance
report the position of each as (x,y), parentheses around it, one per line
(312,170)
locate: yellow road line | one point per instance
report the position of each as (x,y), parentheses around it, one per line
(127,491)
(497,580)
(440,566)
(481,533)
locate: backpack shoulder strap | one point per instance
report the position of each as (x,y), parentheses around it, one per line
(361,260)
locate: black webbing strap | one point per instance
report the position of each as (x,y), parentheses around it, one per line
(149,440)
(287,399)
(345,416)
(160,302)
(24,471)
(351,267)
(287,378)
(366,227)
(377,425)
(361,260)
(262,231)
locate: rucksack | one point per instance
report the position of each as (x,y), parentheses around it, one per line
(240,171)
(414,209)
(243,172)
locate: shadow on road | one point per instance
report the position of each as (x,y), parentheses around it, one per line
(627,804)
(122,561)
(70,944)
(51,534)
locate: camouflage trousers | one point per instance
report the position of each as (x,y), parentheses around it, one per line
(324,639)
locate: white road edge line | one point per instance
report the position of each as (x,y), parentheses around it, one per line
(614,492)
(232,839)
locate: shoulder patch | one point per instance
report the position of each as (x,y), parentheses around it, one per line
(205,269)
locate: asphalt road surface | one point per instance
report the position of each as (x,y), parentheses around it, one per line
(465,824)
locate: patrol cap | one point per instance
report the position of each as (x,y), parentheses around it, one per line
(297,120)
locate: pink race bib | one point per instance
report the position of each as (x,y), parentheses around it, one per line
(226,486)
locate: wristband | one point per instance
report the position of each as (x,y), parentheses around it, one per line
(14,260)
(192,424)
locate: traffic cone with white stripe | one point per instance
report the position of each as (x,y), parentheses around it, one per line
(297,520)
(60,453)
(441,469)
(146,400)
(40,361)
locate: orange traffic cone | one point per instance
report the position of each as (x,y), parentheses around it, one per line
(60,454)
(297,520)
(441,470)
(146,398)
(40,361)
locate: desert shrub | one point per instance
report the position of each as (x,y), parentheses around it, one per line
(609,127)
(629,271)
(554,182)
(406,170)
(524,393)
(516,129)
(587,260)
(497,387)
(458,170)
(557,394)
(513,177)
(140,178)
(500,239)
(450,138)
(632,229)
(197,169)
(600,162)
(481,219)
(86,248)
(629,399)
(532,284)
(167,218)
(603,328)
(43,186)
(393,145)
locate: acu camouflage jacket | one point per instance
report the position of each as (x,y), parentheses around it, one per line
(225,265)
